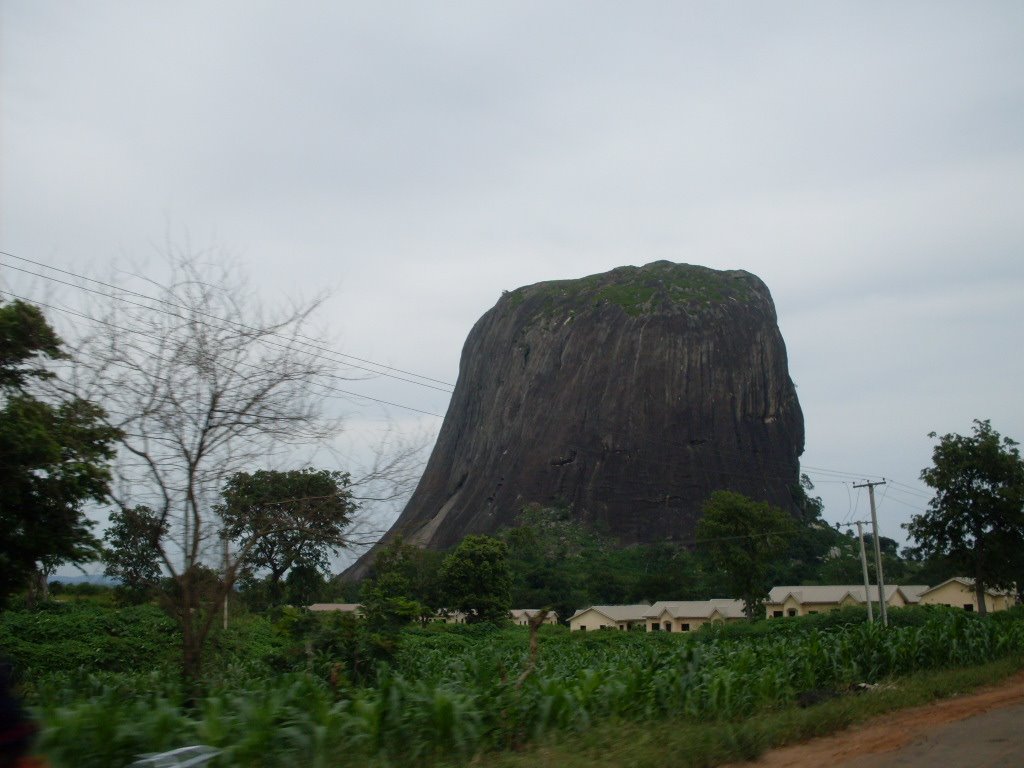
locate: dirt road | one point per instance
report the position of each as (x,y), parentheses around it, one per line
(983,729)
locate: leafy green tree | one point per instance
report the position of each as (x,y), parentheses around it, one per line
(555,560)
(809,508)
(666,571)
(558,562)
(389,597)
(742,538)
(284,520)
(476,579)
(305,584)
(976,518)
(841,566)
(26,339)
(814,544)
(132,552)
(54,451)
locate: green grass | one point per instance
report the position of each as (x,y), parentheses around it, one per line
(637,290)
(681,743)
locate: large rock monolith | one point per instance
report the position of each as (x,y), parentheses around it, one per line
(628,396)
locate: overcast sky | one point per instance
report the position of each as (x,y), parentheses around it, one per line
(865,159)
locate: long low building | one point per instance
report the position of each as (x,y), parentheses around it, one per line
(355,609)
(691,615)
(521,616)
(959,592)
(609,617)
(805,600)
(663,616)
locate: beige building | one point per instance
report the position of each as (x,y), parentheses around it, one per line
(521,616)
(354,608)
(449,616)
(802,601)
(691,615)
(959,592)
(608,617)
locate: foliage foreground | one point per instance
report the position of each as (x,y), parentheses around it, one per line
(448,697)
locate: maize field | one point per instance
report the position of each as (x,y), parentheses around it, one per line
(448,698)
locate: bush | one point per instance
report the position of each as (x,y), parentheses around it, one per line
(65,636)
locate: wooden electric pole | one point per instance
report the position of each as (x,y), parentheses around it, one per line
(864,566)
(878,550)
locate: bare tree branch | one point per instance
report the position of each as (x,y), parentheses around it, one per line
(204,385)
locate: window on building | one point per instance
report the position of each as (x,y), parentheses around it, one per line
(668,626)
(776,614)
(686,628)
(655,627)
(791,612)
(968,606)
(583,627)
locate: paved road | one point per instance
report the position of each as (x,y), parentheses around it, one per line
(993,739)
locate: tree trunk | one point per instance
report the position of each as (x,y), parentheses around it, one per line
(535,623)
(192,637)
(191,658)
(38,588)
(200,604)
(750,608)
(979,592)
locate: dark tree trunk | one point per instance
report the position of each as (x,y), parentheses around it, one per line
(979,593)
(38,587)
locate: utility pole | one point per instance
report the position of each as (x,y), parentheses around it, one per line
(878,550)
(227,562)
(864,566)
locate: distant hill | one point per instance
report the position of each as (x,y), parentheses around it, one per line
(88,578)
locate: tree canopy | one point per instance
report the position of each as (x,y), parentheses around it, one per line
(742,538)
(395,593)
(54,452)
(976,518)
(475,578)
(132,551)
(287,519)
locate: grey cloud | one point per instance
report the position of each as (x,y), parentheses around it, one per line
(865,159)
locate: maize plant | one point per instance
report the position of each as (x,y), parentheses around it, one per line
(446,698)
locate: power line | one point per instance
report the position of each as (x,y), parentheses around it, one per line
(909,489)
(763,476)
(717,450)
(905,504)
(216,327)
(326,387)
(322,351)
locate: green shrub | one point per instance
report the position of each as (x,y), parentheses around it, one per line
(65,636)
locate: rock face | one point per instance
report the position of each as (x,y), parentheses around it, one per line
(630,396)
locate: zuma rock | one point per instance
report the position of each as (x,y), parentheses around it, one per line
(628,396)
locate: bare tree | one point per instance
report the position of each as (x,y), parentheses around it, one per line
(203,385)
(383,484)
